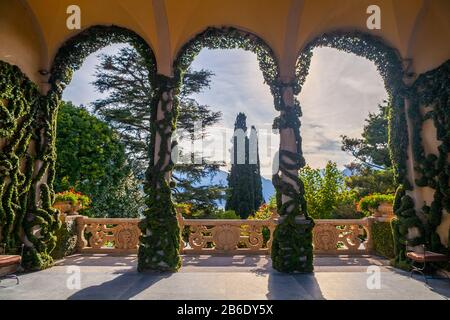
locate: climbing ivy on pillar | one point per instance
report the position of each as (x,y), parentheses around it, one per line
(292,243)
(27,142)
(25,158)
(160,240)
(394,71)
(430,100)
(292,246)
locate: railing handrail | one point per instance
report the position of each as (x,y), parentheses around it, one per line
(338,222)
(224,235)
(225,221)
(110,220)
(228,221)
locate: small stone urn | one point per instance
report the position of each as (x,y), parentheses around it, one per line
(386,209)
(66,207)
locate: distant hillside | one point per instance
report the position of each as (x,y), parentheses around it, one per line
(220,178)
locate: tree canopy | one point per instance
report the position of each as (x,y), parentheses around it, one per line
(124,78)
(91,159)
(371,172)
(326,194)
(372,149)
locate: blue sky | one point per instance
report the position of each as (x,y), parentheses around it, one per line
(340,91)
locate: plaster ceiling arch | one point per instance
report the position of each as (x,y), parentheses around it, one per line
(20,43)
(263,18)
(133,15)
(418,29)
(179,49)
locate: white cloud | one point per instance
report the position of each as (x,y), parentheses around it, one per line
(339,92)
(80,91)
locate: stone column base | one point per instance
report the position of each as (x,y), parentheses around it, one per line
(292,249)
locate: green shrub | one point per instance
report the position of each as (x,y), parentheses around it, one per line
(383,241)
(345,206)
(92,159)
(373,201)
(66,241)
(346,210)
(221,214)
(326,194)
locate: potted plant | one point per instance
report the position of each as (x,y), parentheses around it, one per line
(70,201)
(377,204)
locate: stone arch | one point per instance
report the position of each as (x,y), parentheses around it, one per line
(397,79)
(387,59)
(228,37)
(164,255)
(390,66)
(289,236)
(71,55)
(33,141)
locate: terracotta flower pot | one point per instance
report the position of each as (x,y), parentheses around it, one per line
(385,209)
(66,207)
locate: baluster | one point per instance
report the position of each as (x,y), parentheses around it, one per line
(180,220)
(369,242)
(81,240)
(272,223)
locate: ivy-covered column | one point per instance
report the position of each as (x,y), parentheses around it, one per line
(292,244)
(160,240)
(26,169)
(400,150)
(429,101)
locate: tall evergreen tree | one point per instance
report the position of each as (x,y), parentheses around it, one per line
(123,77)
(371,170)
(372,149)
(244,194)
(255,167)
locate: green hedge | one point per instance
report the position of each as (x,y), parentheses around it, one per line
(383,240)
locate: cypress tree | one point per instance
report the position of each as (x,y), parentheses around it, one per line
(256,169)
(244,194)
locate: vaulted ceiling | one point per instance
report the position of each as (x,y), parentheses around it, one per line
(31,31)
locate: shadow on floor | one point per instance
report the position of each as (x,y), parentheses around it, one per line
(98,260)
(348,260)
(224,261)
(293,287)
(123,287)
(436,283)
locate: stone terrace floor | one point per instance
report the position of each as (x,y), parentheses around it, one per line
(215,277)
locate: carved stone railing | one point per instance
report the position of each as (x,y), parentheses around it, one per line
(342,236)
(212,236)
(113,235)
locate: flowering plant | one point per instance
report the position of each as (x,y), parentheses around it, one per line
(74,197)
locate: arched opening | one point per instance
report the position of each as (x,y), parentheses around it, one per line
(389,65)
(102,134)
(38,225)
(236,86)
(242,145)
(211,38)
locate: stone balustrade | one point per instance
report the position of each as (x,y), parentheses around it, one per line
(213,236)
(107,235)
(210,236)
(342,236)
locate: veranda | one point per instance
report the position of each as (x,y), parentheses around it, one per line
(39,52)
